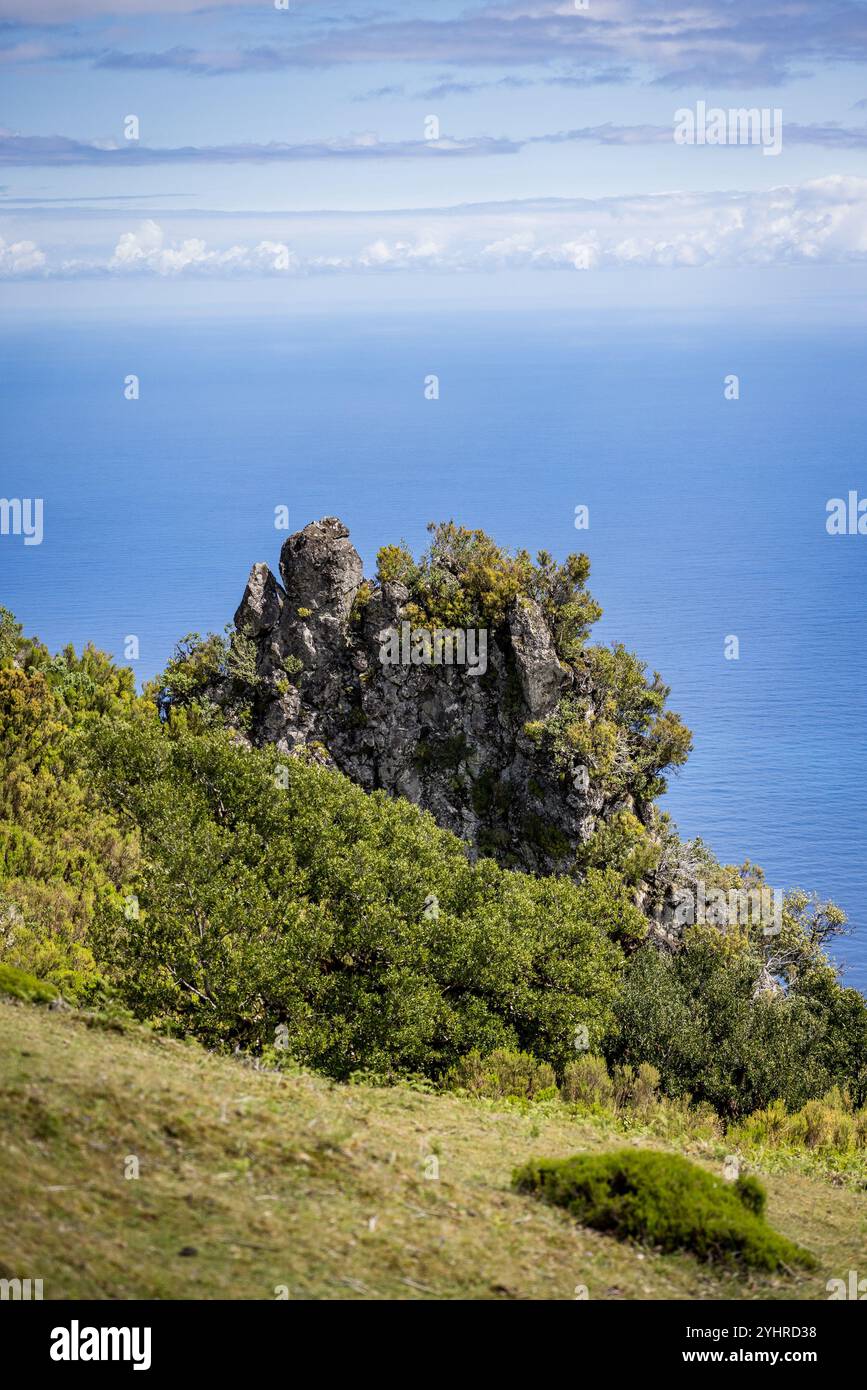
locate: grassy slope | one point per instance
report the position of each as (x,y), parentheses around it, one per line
(295,1181)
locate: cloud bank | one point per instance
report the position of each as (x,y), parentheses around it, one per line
(822,222)
(60,151)
(673,42)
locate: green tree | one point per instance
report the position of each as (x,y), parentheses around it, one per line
(703,1019)
(62,858)
(282,894)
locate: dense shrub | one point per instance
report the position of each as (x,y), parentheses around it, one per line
(611,904)
(503,1075)
(465,578)
(664,1201)
(281,894)
(19,984)
(619,729)
(213,676)
(61,856)
(81,686)
(621,843)
(636,1088)
(586,1082)
(831,1126)
(699,1018)
(751,1193)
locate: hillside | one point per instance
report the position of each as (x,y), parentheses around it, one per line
(251,1180)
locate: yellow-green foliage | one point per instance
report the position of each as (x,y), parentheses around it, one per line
(628,1098)
(621,843)
(594,742)
(586,1083)
(636,1088)
(213,679)
(18,984)
(464,578)
(62,857)
(363,595)
(395,565)
(503,1075)
(12,638)
(617,727)
(831,1126)
(84,685)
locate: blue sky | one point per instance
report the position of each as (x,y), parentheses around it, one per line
(286,150)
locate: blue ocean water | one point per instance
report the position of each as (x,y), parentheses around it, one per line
(707,516)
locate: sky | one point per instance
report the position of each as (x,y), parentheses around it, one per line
(301,151)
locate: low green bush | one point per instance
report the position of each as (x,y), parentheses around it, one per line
(665,1201)
(20,985)
(503,1074)
(752,1194)
(586,1082)
(829,1126)
(636,1088)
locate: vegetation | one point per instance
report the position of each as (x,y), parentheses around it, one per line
(619,728)
(623,844)
(465,579)
(828,1134)
(286,1185)
(666,1202)
(503,1075)
(217,892)
(700,1018)
(214,677)
(831,1128)
(18,984)
(285,896)
(164,873)
(63,857)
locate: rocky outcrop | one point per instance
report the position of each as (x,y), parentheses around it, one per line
(540,674)
(436,718)
(262,604)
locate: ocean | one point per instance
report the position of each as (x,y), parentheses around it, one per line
(706,515)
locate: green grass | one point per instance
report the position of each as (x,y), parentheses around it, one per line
(292,1180)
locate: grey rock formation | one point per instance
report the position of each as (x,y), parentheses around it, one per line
(321,570)
(539,671)
(450,740)
(259,609)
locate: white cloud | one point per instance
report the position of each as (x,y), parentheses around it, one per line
(56,151)
(398,255)
(20,258)
(823,222)
(146,250)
